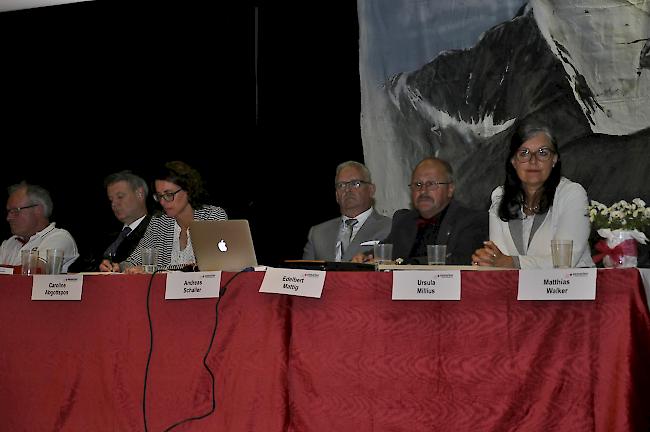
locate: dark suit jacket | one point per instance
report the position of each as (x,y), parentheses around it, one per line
(322,238)
(90,260)
(131,241)
(463,230)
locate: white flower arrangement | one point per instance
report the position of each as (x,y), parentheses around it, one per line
(620,216)
(621,225)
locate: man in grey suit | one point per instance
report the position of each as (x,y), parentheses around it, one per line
(341,238)
(435,219)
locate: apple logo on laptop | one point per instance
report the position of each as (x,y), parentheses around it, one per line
(222,246)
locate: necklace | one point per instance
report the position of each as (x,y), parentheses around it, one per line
(533,209)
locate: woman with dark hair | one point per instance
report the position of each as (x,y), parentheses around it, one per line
(534,206)
(180,191)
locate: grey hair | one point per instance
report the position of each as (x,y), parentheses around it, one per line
(36,194)
(530,130)
(365,172)
(133,180)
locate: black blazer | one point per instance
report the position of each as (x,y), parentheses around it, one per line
(131,241)
(90,261)
(462,229)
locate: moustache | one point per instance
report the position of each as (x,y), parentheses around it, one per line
(424,198)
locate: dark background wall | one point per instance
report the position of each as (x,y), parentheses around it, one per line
(92,88)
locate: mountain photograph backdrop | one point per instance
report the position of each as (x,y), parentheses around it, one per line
(473,68)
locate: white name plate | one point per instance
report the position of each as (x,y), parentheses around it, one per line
(304,283)
(57,287)
(557,284)
(5,270)
(188,285)
(426,285)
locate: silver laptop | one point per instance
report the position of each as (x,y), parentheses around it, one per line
(222,245)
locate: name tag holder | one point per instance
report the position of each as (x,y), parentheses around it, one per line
(303,283)
(426,285)
(57,287)
(557,284)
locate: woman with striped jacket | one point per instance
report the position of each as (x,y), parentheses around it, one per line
(180,191)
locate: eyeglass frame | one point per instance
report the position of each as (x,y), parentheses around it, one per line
(167,196)
(16,210)
(535,153)
(352,184)
(420,186)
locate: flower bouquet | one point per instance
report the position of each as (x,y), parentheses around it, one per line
(621,225)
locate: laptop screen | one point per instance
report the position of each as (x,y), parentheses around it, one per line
(222,245)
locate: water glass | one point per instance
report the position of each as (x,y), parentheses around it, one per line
(562,253)
(383,253)
(436,254)
(149,259)
(54,262)
(29,261)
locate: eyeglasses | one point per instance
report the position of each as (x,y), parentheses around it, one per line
(168,196)
(352,184)
(542,154)
(16,210)
(433,185)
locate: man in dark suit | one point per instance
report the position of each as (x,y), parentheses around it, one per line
(127,194)
(358,228)
(436,219)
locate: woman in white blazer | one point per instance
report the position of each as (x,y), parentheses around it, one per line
(534,206)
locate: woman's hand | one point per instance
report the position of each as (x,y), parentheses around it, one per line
(107,266)
(490,255)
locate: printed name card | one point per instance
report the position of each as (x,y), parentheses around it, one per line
(57,287)
(304,283)
(426,285)
(557,284)
(188,285)
(6,270)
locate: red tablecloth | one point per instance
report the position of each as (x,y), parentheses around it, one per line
(351,361)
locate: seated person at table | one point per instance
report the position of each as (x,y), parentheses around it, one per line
(29,208)
(180,191)
(127,193)
(436,219)
(340,238)
(534,206)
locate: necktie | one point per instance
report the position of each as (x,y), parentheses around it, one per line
(347,236)
(112,249)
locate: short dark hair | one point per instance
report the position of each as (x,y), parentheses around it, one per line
(133,180)
(188,179)
(513,193)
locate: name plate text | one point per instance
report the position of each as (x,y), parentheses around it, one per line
(557,284)
(188,285)
(426,285)
(303,283)
(57,287)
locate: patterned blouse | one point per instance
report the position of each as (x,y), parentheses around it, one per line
(161,232)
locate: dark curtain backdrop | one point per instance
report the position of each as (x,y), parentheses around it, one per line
(95,87)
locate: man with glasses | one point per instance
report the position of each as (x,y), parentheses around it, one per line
(435,219)
(358,228)
(29,208)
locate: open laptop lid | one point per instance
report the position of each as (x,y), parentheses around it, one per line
(222,245)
